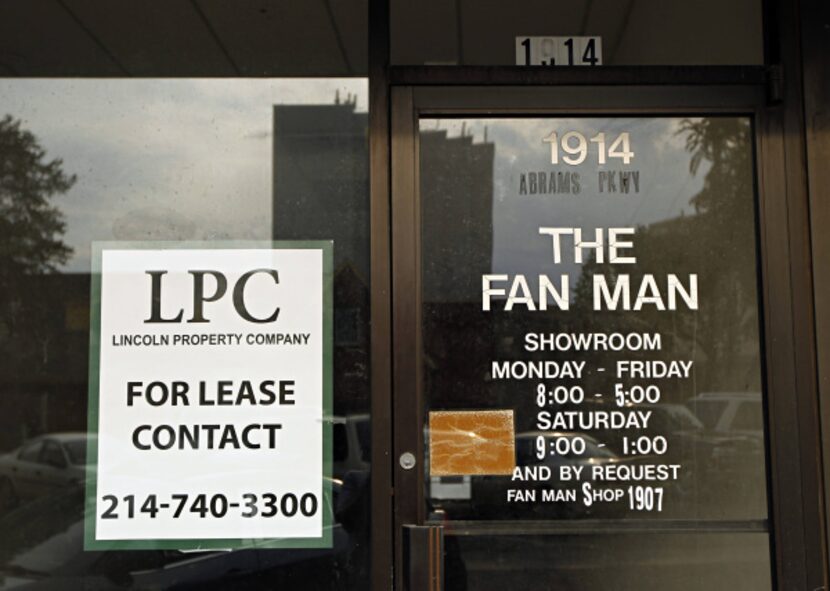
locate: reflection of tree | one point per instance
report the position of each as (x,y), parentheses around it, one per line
(31,243)
(717,242)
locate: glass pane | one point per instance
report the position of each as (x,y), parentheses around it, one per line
(646,32)
(593,282)
(147,160)
(609,562)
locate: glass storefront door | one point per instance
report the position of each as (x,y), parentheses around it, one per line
(578,368)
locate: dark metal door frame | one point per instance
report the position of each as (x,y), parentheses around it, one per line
(794,460)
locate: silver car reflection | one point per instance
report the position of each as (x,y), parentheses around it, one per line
(42,549)
(42,465)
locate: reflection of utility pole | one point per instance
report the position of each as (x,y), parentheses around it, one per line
(459,33)
(44,412)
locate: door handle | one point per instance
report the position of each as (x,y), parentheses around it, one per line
(423,557)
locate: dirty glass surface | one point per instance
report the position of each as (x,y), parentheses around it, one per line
(83,160)
(596,278)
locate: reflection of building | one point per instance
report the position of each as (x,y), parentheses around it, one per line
(321,192)
(457,216)
(321,179)
(45,358)
(457,210)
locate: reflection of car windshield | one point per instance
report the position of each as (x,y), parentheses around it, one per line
(598,452)
(708,411)
(748,417)
(76,450)
(684,418)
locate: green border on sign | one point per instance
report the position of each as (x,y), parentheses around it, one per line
(326,540)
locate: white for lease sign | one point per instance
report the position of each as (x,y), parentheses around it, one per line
(210,386)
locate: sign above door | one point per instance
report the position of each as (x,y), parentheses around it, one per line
(558,51)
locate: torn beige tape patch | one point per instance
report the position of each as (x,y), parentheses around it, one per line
(471,442)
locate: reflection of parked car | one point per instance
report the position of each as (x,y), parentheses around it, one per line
(352,451)
(41,465)
(729,412)
(673,421)
(41,549)
(735,422)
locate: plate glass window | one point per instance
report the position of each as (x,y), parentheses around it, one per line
(597,278)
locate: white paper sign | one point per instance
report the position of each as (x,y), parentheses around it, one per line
(211,396)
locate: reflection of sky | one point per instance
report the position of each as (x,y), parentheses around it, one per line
(163,159)
(666,185)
